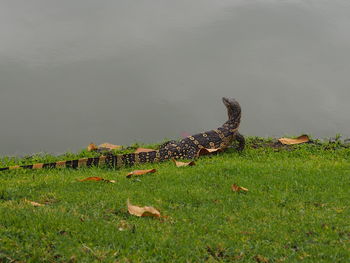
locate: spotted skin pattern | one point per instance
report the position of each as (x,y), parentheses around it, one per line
(221,137)
(187,148)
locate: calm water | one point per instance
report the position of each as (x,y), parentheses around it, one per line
(75,72)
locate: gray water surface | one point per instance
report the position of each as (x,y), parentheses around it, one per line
(77,71)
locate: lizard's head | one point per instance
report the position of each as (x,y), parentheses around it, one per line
(233,109)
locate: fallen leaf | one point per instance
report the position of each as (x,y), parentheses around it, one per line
(90,179)
(142,211)
(94,178)
(181,164)
(289,141)
(143,150)
(261,259)
(91,147)
(109,146)
(237,188)
(206,151)
(33,203)
(140,172)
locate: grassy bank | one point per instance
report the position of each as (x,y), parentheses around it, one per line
(296,209)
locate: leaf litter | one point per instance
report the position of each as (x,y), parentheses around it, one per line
(207,151)
(236,188)
(143,150)
(33,203)
(289,141)
(92,147)
(95,178)
(182,164)
(142,211)
(103,147)
(140,172)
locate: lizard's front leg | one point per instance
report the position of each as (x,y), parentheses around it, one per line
(241,141)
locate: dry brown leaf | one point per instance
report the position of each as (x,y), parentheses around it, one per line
(261,259)
(109,181)
(143,150)
(91,147)
(289,141)
(181,164)
(33,203)
(140,172)
(95,178)
(142,211)
(237,188)
(109,146)
(206,151)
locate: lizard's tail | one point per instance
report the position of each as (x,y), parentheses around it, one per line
(108,160)
(134,158)
(88,162)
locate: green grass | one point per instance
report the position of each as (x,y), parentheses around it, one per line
(297,209)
